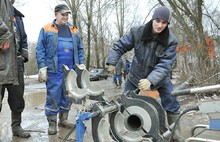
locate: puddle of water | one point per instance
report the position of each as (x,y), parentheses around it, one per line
(35,98)
(4,132)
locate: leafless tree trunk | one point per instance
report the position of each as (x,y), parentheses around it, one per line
(101,16)
(189,16)
(120,14)
(89,13)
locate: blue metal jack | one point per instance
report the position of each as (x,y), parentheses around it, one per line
(80,126)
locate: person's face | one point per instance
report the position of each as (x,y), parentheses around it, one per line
(12,2)
(159,25)
(61,18)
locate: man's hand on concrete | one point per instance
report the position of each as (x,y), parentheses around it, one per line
(42,75)
(144,84)
(111,69)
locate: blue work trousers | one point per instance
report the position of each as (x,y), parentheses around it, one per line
(117,76)
(56,100)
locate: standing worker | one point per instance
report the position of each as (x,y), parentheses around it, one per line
(18,43)
(58,43)
(118,72)
(127,68)
(155,51)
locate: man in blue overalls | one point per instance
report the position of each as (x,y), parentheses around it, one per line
(58,43)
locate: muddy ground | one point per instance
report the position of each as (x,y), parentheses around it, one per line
(35,120)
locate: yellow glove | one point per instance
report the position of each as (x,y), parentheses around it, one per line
(42,75)
(144,84)
(111,68)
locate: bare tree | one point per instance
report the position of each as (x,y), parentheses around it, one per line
(123,12)
(89,14)
(189,15)
(99,29)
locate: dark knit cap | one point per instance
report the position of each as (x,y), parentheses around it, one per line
(162,13)
(62,8)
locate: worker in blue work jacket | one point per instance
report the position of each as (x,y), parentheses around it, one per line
(58,44)
(127,68)
(155,51)
(118,72)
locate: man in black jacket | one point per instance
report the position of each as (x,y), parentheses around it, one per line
(154,46)
(16,92)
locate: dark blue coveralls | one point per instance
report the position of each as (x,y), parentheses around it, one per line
(56,100)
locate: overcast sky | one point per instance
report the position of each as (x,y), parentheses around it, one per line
(37,14)
(40,12)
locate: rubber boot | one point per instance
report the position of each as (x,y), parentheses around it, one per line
(116,83)
(172,117)
(63,122)
(119,86)
(17,130)
(52,120)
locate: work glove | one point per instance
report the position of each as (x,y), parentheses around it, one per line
(144,84)
(81,66)
(111,68)
(42,75)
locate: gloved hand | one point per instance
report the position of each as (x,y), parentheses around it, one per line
(82,66)
(111,68)
(144,84)
(42,75)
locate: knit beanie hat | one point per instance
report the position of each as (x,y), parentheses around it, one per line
(162,13)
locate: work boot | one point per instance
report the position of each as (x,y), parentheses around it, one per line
(63,122)
(119,86)
(17,130)
(172,117)
(52,120)
(116,83)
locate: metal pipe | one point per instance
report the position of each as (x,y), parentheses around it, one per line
(196,90)
(184,84)
(168,133)
(205,89)
(109,109)
(192,139)
(198,126)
